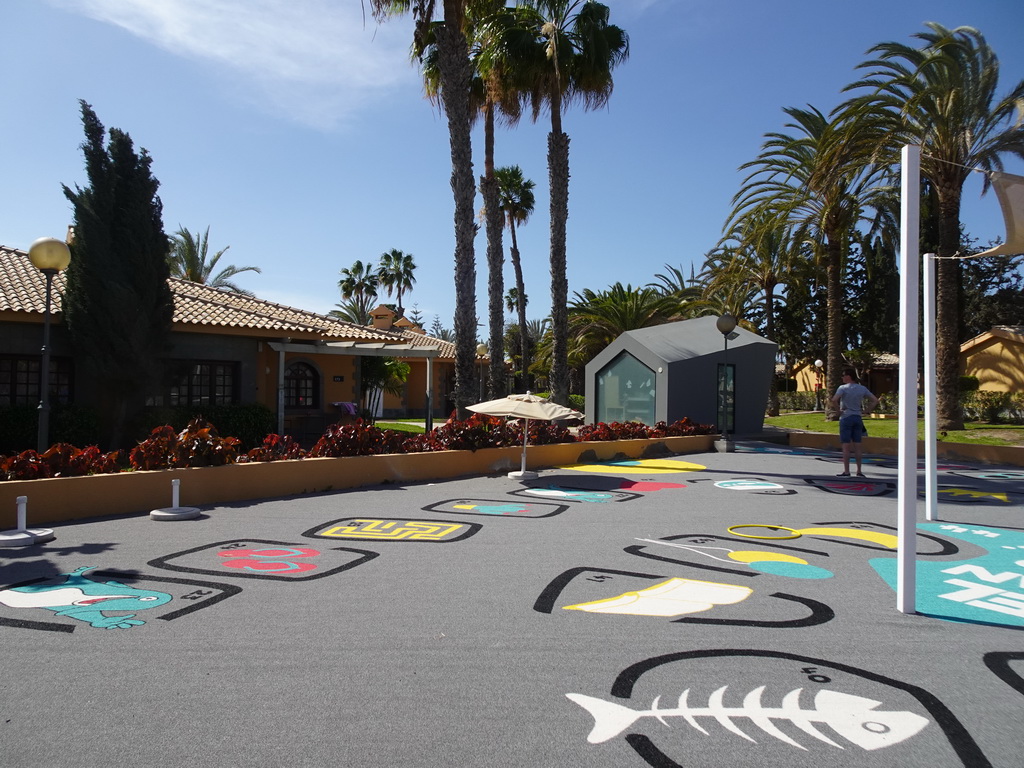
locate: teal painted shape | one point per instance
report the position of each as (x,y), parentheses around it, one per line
(988,588)
(792,570)
(81,598)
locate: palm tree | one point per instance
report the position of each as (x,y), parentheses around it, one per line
(756,256)
(395,274)
(577,51)
(512,299)
(495,41)
(596,319)
(516,201)
(188,260)
(455,75)
(358,287)
(820,180)
(942,96)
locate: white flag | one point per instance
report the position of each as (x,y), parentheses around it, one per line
(1009,190)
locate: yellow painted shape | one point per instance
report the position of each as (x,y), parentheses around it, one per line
(885,539)
(464,506)
(639,467)
(792,532)
(674,597)
(747,556)
(968,492)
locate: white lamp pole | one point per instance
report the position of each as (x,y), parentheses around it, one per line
(49,255)
(726,324)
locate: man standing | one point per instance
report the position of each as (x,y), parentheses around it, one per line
(850,398)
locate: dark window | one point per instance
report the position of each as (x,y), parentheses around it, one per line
(19,380)
(204,383)
(301,386)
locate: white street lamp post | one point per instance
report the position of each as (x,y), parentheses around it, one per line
(726,324)
(49,255)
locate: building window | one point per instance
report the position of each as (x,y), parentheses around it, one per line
(204,383)
(626,391)
(301,386)
(19,380)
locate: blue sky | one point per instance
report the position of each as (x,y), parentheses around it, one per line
(297,131)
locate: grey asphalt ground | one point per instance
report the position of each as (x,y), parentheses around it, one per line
(601,616)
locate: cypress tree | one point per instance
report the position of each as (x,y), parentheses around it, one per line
(118,306)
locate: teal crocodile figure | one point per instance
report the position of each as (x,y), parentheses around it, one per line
(78,597)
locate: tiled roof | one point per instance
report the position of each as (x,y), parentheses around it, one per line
(23,289)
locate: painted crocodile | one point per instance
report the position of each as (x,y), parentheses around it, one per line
(78,597)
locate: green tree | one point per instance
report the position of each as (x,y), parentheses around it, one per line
(455,72)
(577,50)
(358,287)
(496,42)
(188,260)
(597,318)
(516,201)
(396,274)
(379,376)
(118,306)
(942,96)
(756,257)
(819,178)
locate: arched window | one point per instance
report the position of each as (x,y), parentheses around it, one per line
(301,386)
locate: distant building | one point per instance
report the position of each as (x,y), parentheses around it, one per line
(667,372)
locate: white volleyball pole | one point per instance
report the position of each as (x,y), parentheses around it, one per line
(910,216)
(931,474)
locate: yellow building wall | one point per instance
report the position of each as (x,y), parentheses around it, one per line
(997,363)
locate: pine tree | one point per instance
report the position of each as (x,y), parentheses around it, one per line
(118,306)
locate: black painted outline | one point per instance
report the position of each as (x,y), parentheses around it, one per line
(226,591)
(545,603)
(998,663)
(627,495)
(945,547)
(559,509)
(474,528)
(820,612)
(958,736)
(887,487)
(988,499)
(161,562)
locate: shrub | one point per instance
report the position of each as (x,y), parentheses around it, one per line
(198,445)
(275,448)
(799,401)
(478,431)
(60,460)
(358,439)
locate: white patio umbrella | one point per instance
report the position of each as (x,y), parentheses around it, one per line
(528,406)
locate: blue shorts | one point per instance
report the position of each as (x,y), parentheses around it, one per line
(851,428)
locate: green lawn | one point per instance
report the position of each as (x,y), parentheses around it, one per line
(976,432)
(415,426)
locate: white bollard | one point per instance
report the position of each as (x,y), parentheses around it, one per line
(175,512)
(23,536)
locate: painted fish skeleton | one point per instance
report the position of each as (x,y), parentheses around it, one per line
(852,717)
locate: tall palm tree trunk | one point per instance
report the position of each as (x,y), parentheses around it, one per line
(558,178)
(834,358)
(524,336)
(454,65)
(494,224)
(947,321)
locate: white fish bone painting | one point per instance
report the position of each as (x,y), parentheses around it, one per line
(855,718)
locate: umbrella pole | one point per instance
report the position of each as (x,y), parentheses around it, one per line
(526,431)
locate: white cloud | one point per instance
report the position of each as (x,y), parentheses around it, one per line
(315,61)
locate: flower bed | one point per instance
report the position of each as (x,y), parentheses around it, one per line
(200,445)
